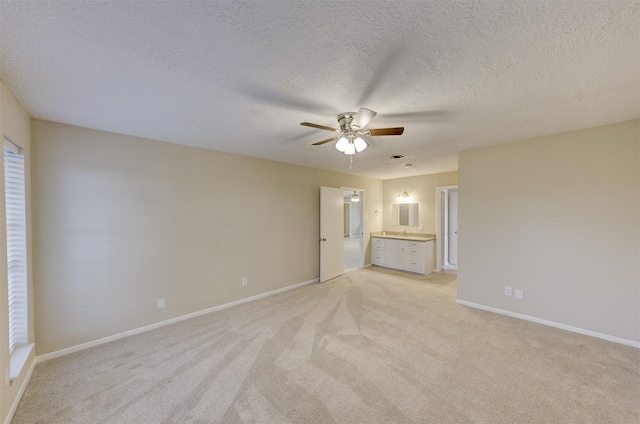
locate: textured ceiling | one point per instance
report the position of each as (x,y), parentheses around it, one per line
(239,76)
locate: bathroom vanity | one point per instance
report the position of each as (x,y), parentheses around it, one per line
(404,251)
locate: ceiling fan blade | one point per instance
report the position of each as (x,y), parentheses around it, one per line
(324,141)
(362,118)
(386,131)
(321,127)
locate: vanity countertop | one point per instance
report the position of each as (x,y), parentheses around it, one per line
(403,236)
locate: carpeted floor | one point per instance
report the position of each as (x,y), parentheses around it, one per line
(371,346)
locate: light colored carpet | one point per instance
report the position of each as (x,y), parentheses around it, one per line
(371,346)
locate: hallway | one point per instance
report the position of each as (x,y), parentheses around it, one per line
(351,253)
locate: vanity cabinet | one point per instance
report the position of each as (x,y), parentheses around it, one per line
(405,255)
(378,251)
(394,252)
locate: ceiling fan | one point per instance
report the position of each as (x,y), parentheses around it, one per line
(351,130)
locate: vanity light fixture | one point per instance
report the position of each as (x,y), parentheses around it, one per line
(355,198)
(404,197)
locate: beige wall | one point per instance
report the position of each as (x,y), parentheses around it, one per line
(14,124)
(122,221)
(557,216)
(422,190)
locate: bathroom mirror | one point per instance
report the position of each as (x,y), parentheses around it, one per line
(405,214)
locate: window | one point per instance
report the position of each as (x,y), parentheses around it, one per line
(14,196)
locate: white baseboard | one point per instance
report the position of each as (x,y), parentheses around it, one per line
(73,349)
(23,387)
(578,330)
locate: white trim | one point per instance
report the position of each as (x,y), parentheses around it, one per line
(23,387)
(578,330)
(77,348)
(9,144)
(18,359)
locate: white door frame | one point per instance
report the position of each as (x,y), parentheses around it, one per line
(361,193)
(442,218)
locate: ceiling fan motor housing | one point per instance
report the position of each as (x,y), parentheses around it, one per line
(345,119)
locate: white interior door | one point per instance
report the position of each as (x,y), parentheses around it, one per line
(453,227)
(331,229)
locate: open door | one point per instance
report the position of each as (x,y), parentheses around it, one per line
(331,237)
(452,235)
(446,227)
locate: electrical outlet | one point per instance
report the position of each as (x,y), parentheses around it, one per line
(507,291)
(160,304)
(519,294)
(244,281)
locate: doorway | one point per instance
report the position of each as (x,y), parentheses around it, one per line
(447,228)
(353,228)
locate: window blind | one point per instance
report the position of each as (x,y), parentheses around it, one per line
(14,195)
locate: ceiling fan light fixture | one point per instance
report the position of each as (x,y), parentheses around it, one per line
(342,144)
(360,144)
(351,149)
(355,198)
